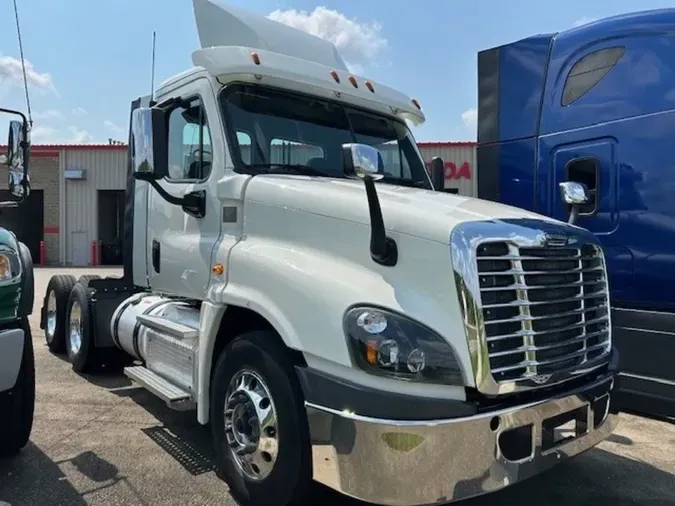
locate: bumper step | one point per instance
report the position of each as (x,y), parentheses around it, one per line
(174,396)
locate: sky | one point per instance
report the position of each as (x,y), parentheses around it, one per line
(87,60)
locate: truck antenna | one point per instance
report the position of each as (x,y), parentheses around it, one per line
(23,63)
(152,78)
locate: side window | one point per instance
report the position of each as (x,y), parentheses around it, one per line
(588,72)
(585,170)
(394,161)
(190,151)
(294,152)
(244,141)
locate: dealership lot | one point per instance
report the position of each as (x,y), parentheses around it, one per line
(102,441)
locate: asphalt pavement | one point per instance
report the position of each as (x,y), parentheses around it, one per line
(103,441)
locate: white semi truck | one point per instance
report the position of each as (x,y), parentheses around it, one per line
(294,275)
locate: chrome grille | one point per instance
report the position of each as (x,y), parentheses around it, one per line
(545,309)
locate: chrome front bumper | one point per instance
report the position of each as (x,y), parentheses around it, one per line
(411,463)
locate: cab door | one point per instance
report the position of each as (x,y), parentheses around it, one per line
(593,163)
(181,239)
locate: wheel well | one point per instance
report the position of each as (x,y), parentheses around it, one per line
(238,320)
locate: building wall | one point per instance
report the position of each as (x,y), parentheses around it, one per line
(105,170)
(459,159)
(44,175)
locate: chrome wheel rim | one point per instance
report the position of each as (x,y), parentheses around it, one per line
(51,316)
(75,331)
(251,426)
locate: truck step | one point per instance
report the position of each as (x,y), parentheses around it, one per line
(169,327)
(175,397)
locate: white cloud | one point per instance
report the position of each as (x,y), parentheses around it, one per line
(78,136)
(42,134)
(358,43)
(47,115)
(113,128)
(45,134)
(583,21)
(79,111)
(11,74)
(470,119)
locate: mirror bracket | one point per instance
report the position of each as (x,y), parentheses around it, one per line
(365,162)
(574,194)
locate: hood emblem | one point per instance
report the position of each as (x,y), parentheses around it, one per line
(541,379)
(556,240)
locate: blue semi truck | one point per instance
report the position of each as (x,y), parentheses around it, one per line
(596,105)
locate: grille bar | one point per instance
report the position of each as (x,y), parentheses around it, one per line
(594,295)
(545,309)
(521,333)
(515,272)
(523,349)
(535,363)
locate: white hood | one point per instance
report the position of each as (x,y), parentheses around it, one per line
(422,213)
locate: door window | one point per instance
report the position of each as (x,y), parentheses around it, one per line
(585,170)
(190,152)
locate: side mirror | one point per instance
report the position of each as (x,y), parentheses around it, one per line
(15,148)
(437,173)
(574,194)
(16,185)
(149,144)
(362,161)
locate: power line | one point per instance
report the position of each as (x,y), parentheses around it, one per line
(23,63)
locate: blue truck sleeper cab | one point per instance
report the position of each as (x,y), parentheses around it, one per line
(596,104)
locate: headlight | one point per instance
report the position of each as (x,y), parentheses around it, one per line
(10,267)
(392,345)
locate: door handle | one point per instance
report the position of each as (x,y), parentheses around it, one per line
(155,255)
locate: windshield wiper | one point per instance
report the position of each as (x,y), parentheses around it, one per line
(402,181)
(285,168)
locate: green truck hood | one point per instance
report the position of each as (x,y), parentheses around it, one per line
(10,291)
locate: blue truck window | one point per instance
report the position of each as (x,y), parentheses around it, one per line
(589,71)
(585,170)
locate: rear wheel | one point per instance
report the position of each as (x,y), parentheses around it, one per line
(258,422)
(55,304)
(17,405)
(79,346)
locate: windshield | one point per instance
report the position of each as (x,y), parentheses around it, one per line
(272,130)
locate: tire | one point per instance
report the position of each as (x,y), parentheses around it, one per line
(28,292)
(85,278)
(290,481)
(82,355)
(60,285)
(17,406)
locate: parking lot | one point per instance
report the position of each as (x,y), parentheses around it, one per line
(103,441)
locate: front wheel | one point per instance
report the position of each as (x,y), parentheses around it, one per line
(259,425)
(17,405)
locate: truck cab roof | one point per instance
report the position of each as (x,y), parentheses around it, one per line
(519,82)
(259,50)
